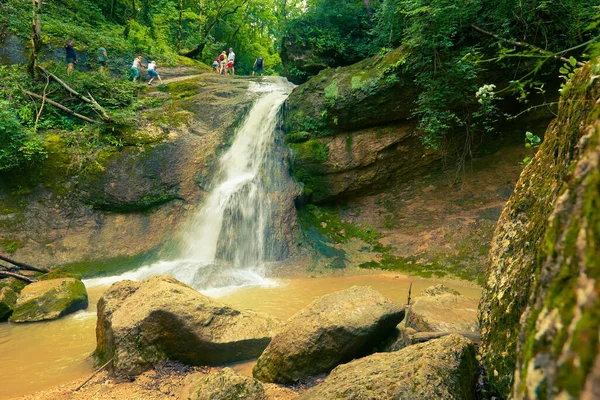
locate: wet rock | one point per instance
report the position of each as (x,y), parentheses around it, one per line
(225,384)
(539,309)
(441,309)
(142,323)
(332,330)
(134,181)
(51,299)
(8,299)
(445,368)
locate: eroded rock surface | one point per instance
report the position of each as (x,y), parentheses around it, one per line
(225,384)
(8,299)
(350,131)
(141,323)
(445,368)
(540,307)
(51,299)
(332,330)
(441,309)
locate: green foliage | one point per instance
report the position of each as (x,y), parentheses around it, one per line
(531,141)
(16,146)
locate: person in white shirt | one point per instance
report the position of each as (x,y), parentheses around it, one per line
(231,61)
(152,73)
(135,73)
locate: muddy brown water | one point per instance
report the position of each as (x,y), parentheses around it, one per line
(37,356)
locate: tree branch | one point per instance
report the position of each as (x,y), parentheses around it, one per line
(22,265)
(90,100)
(527,46)
(59,106)
(18,276)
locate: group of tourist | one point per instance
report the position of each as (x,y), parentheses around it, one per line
(134,73)
(223,65)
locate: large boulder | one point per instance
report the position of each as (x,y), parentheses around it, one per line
(444,368)
(8,299)
(141,323)
(540,306)
(441,309)
(51,299)
(225,384)
(332,330)
(350,131)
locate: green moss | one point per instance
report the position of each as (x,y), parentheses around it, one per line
(308,167)
(61,300)
(87,269)
(11,246)
(331,93)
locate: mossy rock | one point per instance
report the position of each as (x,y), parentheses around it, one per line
(372,92)
(225,384)
(15,284)
(8,298)
(48,300)
(540,323)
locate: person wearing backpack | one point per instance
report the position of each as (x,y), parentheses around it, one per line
(259,66)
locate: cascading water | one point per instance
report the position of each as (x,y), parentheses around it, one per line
(225,243)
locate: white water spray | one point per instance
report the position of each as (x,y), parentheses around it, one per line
(224,243)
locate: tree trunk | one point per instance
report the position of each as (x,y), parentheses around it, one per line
(36,37)
(180,25)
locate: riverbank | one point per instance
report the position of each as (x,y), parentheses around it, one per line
(46,359)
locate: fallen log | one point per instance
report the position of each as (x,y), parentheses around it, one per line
(90,100)
(28,279)
(22,265)
(59,106)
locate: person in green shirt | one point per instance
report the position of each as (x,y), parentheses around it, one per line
(102,59)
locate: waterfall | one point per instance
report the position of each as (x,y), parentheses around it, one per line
(225,242)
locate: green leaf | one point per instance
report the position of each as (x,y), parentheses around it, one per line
(573,61)
(563,70)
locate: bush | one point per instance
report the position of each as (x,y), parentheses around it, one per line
(16,146)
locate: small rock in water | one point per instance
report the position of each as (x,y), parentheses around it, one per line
(51,299)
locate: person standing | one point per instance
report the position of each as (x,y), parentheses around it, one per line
(259,66)
(231,62)
(152,73)
(71,56)
(102,59)
(223,62)
(135,73)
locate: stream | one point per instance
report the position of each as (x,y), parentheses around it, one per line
(38,356)
(224,248)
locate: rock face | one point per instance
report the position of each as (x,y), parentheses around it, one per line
(540,307)
(332,330)
(141,323)
(349,129)
(445,368)
(441,309)
(132,198)
(51,299)
(225,384)
(8,299)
